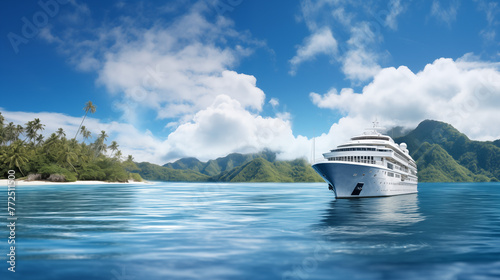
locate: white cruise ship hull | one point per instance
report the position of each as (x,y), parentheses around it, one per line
(356,180)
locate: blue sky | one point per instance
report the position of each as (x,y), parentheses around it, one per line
(206,78)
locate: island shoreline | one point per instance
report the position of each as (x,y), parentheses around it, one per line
(19,182)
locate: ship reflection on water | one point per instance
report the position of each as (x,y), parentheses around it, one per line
(384,225)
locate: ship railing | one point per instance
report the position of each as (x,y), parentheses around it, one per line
(318,160)
(365,161)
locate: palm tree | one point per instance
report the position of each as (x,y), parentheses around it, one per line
(11,133)
(16,132)
(2,130)
(99,146)
(89,107)
(39,140)
(15,156)
(73,143)
(51,140)
(118,155)
(2,136)
(37,125)
(61,133)
(86,134)
(113,147)
(103,136)
(30,131)
(67,156)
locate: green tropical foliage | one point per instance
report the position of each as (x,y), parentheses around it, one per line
(261,170)
(58,158)
(443,154)
(260,167)
(222,164)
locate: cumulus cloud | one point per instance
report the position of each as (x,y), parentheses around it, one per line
(175,78)
(359,63)
(175,68)
(226,127)
(320,42)
(464,93)
(182,70)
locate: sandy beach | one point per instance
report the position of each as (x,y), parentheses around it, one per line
(4,182)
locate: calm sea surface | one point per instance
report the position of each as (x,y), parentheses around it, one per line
(251,231)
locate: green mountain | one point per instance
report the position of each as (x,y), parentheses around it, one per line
(260,167)
(155,172)
(443,154)
(261,170)
(219,165)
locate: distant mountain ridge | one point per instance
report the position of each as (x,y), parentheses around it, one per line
(219,165)
(258,167)
(442,153)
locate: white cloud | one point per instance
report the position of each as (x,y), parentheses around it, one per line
(447,15)
(161,72)
(274,102)
(491,9)
(395,9)
(342,16)
(182,71)
(226,127)
(320,42)
(358,53)
(464,93)
(175,68)
(359,63)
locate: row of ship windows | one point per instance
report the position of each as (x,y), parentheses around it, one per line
(390,174)
(361,159)
(398,167)
(359,149)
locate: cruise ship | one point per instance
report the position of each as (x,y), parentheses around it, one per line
(369,165)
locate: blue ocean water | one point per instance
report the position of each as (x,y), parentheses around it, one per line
(252,231)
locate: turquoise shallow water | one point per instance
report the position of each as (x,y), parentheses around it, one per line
(252,231)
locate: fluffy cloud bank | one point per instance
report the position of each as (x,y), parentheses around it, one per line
(227,127)
(175,67)
(464,93)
